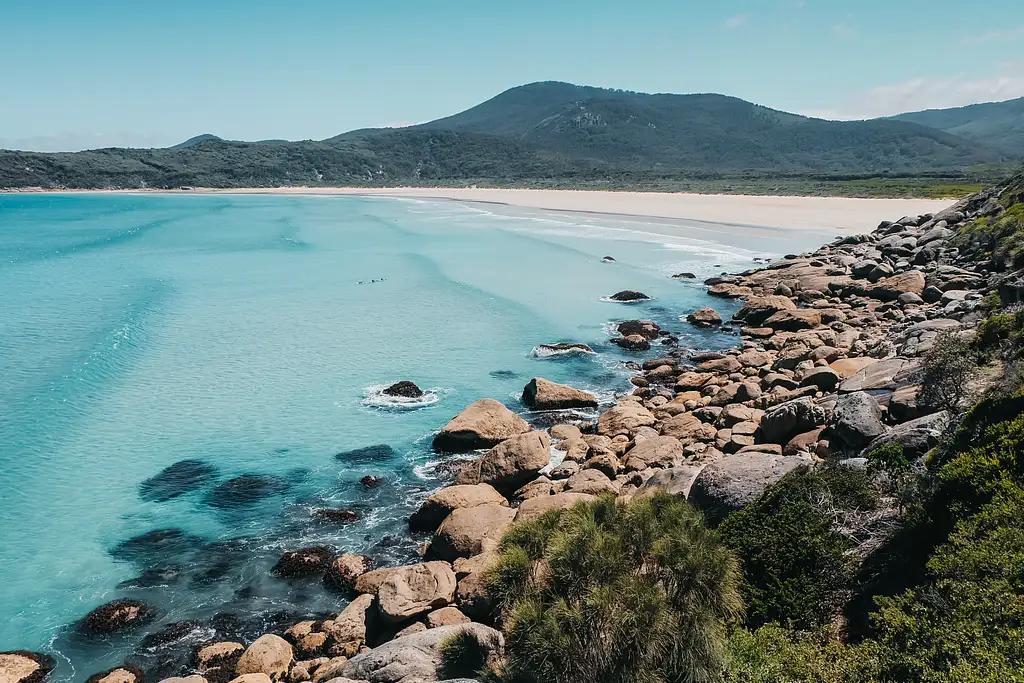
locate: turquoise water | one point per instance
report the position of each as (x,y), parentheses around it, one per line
(245,332)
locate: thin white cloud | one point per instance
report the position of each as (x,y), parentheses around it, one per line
(736,21)
(75,142)
(929,93)
(995,36)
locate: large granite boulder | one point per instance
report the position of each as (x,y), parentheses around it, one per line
(675,481)
(442,503)
(794,320)
(592,482)
(464,531)
(348,629)
(686,427)
(890,288)
(416,589)
(416,658)
(269,654)
(856,420)
(784,421)
(705,318)
(624,419)
(736,480)
(876,376)
(535,507)
(345,569)
(510,464)
(543,394)
(648,329)
(660,451)
(482,424)
(22,666)
(917,436)
(757,309)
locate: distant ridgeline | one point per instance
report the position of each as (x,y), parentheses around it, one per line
(561,135)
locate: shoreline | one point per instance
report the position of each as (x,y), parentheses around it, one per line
(821,214)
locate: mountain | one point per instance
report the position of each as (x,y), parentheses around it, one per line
(996,124)
(192,142)
(543,133)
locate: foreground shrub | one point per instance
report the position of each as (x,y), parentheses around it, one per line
(615,592)
(773,654)
(792,546)
(949,369)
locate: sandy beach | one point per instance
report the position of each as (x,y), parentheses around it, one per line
(825,214)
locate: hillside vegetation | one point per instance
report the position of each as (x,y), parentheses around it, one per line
(997,124)
(559,135)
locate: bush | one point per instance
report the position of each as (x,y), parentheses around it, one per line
(463,656)
(773,654)
(610,592)
(791,548)
(949,370)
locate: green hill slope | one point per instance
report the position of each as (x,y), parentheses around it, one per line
(997,124)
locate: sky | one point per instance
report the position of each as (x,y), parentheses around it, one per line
(78,74)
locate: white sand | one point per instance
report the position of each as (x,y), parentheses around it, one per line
(828,214)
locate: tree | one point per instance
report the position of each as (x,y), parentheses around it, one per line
(610,592)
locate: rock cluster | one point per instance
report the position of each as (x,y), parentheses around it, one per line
(828,367)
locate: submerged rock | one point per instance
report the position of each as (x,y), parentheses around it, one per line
(684,276)
(245,490)
(482,424)
(116,616)
(404,389)
(376,453)
(628,295)
(304,562)
(176,480)
(336,515)
(559,349)
(157,546)
(608,259)
(22,666)
(543,394)
(126,673)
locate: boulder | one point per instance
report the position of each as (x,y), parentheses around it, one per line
(252,678)
(784,421)
(848,367)
(403,389)
(535,507)
(116,616)
(903,404)
(510,464)
(416,589)
(917,436)
(126,673)
(684,276)
(304,562)
(633,342)
(692,381)
(565,431)
(446,616)
(648,329)
(345,569)
(592,482)
(445,501)
(628,295)
(794,320)
(876,376)
(348,630)
(736,480)
(223,655)
(890,288)
(371,581)
(661,451)
(856,420)
(22,666)
(464,531)
(482,424)
(686,427)
(704,317)
(825,379)
(269,654)
(335,515)
(726,365)
(675,481)
(757,309)
(624,419)
(543,394)
(416,658)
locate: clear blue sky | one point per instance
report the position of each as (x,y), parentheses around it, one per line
(88,73)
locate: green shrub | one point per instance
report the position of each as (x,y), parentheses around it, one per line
(463,656)
(773,654)
(608,592)
(793,555)
(1004,328)
(949,369)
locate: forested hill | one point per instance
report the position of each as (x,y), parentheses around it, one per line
(552,134)
(997,124)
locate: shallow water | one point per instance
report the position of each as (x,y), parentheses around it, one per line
(246,336)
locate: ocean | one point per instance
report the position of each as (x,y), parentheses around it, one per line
(250,336)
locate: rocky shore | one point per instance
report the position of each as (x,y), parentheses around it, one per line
(828,367)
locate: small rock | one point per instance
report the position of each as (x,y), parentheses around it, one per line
(628,295)
(404,389)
